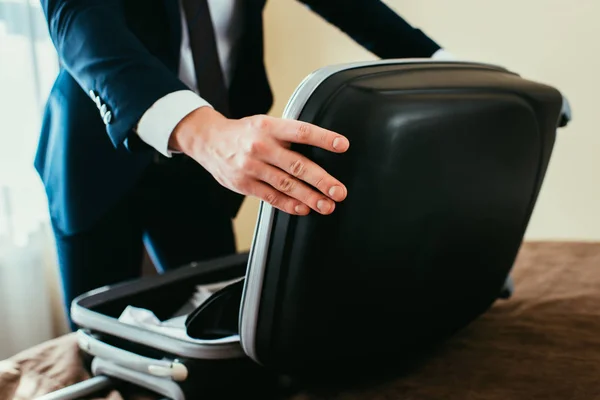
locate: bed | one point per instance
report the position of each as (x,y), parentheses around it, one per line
(543,343)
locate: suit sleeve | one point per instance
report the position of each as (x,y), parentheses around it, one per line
(376,27)
(107,60)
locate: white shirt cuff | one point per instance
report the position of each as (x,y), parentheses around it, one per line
(157,123)
(442,54)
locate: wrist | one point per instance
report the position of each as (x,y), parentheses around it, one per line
(192,129)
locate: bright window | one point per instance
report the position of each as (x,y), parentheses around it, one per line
(28,67)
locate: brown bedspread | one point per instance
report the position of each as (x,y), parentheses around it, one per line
(543,343)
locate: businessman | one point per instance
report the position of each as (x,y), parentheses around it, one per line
(155,129)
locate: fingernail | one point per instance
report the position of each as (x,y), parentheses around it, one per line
(336,192)
(340,143)
(301,209)
(323,206)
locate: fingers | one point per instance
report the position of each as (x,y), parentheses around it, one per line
(294,188)
(277,199)
(304,133)
(304,169)
(283,178)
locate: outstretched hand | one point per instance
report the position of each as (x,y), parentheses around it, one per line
(252,156)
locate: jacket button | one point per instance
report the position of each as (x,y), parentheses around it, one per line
(107,117)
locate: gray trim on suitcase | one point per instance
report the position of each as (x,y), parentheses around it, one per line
(254,280)
(83,389)
(162,386)
(161,368)
(199,349)
(258,252)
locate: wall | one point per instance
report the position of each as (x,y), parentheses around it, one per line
(551,41)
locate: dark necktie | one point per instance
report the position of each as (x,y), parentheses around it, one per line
(209,75)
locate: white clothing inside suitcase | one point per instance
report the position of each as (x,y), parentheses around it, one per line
(175,326)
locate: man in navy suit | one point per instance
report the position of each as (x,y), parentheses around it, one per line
(155,129)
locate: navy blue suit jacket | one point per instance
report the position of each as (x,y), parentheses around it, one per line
(123,55)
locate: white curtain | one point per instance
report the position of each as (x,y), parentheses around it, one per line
(29,295)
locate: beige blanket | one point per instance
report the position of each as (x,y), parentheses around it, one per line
(45,368)
(41,369)
(544,344)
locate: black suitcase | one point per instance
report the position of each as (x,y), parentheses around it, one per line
(444,169)
(445,165)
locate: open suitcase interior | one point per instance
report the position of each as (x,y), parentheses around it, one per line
(138,328)
(443,172)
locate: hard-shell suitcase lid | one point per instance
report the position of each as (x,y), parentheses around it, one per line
(445,164)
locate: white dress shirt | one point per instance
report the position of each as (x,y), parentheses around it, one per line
(162,117)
